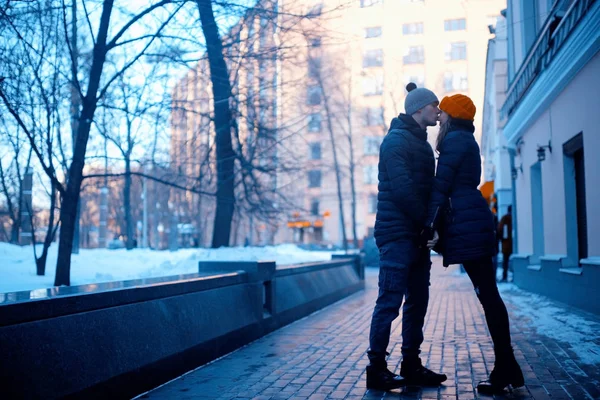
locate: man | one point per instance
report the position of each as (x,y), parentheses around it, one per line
(406,171)
(505,235)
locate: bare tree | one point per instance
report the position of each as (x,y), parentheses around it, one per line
(223,121)
(95,86)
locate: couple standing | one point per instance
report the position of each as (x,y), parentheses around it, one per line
(418,209)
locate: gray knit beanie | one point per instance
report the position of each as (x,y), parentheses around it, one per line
(418,98)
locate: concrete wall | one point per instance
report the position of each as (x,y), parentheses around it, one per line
(120,339)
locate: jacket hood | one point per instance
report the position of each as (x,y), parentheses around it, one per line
(457,124)
(406,122)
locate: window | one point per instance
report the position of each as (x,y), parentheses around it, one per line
(415,55)
(455,81)
(369,3)
(314,178)
(314,95)
(415,28)
(250,29)
(250,80)
(530,30)
(373,32)
(315,42)
(314,67)
(373,58)
(315,150)
(264,31)
(372,144)
(314,122)
(314,207)
(373,116)
(370,174)
(373,85)
(372,203)
(456,51)
(418,80)
(455,24)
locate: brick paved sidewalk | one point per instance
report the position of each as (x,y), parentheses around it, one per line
(323,355)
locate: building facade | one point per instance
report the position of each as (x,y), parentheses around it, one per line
(339,91)
(547,123)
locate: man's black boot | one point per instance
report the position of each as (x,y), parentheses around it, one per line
(416,374)
(381,378)
(506,372)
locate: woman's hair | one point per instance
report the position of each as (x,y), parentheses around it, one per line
(444,128)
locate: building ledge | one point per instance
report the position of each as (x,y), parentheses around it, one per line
(590,261)
(553,257)
(534,267)
(571,271)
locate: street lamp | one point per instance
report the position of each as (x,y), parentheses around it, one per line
(541,151)
(515,172)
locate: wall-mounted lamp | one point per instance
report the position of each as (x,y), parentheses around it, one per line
(541,151)
(514,172)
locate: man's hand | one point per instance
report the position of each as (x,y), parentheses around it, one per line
(431,243)
(425,237)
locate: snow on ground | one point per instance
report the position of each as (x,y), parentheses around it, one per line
(555,321)
(17,265)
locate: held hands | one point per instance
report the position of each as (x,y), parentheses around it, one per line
(431,243)
(428,238)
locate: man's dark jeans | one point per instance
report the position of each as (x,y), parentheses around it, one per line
(396,281)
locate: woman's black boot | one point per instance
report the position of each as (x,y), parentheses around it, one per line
(506,372)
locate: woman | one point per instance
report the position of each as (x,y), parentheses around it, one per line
(467,231)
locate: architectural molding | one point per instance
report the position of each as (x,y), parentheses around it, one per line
(578,50)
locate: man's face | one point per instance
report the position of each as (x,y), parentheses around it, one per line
(430,113)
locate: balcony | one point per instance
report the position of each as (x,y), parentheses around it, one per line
(554,34)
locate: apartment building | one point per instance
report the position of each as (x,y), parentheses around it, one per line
(338,82)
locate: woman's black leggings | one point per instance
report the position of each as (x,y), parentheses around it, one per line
(483,277)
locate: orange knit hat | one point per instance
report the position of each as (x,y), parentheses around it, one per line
(458,106)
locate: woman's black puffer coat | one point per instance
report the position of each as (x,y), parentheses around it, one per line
(467,229)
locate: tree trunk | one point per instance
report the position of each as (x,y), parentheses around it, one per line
(75,106)
(14,213)
(127,204)
(40,263)
(338,175)
(221,89)
(14,230)
(68,211)
(352,168)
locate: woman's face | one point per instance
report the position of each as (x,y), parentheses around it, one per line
(443,118)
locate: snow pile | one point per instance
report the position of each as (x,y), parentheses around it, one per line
(575,328)
(18,272)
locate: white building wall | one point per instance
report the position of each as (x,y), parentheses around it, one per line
(572,112)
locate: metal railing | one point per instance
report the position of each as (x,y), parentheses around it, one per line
(553,35)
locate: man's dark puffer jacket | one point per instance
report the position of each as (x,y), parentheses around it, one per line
(406,170)
(469,225)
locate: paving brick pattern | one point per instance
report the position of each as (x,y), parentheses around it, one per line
(323,355)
